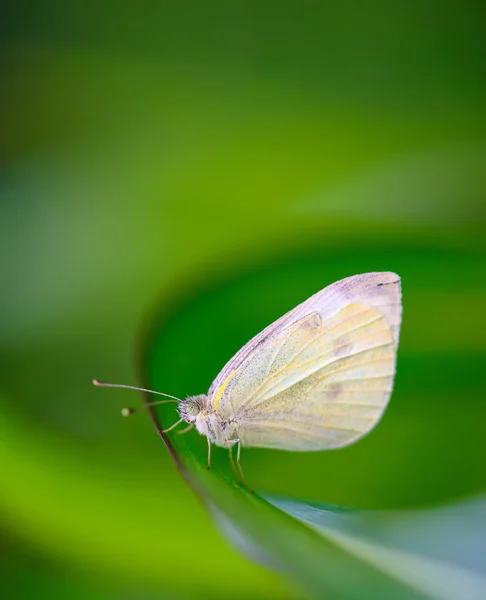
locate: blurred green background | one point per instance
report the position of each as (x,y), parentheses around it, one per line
(186,172)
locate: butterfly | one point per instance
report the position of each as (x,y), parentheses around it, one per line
(320,377)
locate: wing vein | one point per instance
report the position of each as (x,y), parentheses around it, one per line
(274,375)
(361,378)
(307,375)
(366,362)
(304,431)
(365,404)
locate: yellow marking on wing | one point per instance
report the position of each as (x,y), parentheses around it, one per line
(221,390)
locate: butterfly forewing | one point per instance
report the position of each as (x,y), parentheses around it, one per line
(322,375)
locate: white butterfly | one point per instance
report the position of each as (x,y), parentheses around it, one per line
(319,377)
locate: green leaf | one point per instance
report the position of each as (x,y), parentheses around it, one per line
(327,550)
(439,553)
(336,551)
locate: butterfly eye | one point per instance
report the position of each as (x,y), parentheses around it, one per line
(189,409)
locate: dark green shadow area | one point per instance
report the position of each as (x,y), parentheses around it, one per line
(413,457)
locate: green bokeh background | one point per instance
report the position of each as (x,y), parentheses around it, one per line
(186,172)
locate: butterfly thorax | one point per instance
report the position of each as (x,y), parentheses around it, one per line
(198,410)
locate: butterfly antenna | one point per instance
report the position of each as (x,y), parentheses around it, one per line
(126,412)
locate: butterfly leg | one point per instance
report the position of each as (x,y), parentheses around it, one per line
(233,467)
(238,461)
(209,454)
(186,429)
(172,427)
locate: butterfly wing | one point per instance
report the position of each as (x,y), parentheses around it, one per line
(321,376)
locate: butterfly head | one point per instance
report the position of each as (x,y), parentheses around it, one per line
(191,407)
